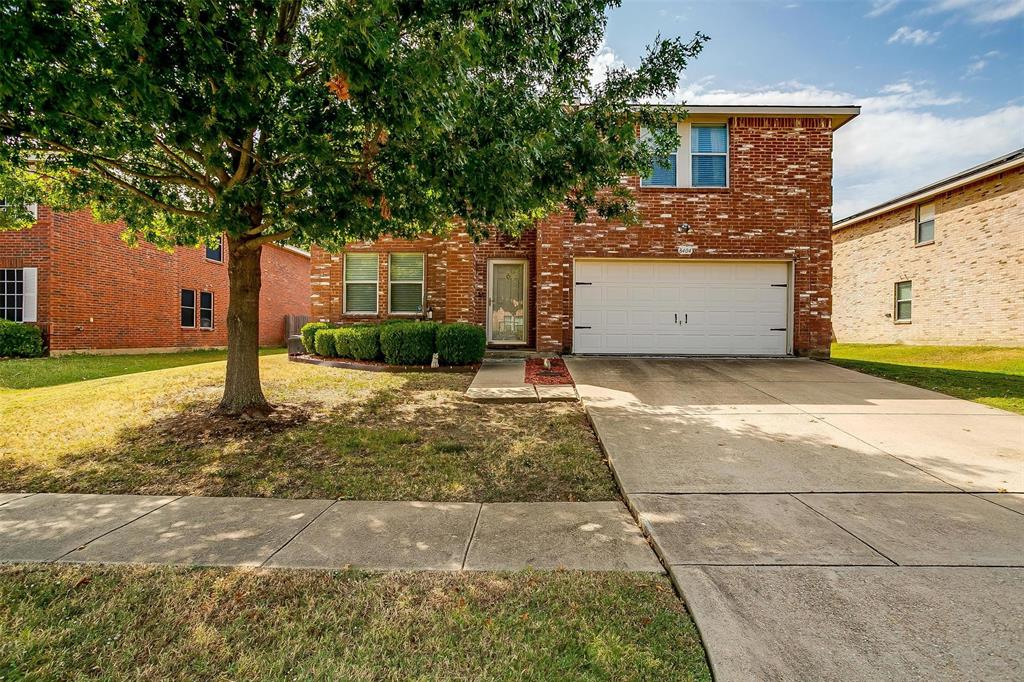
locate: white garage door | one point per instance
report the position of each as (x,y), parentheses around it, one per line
(680,307)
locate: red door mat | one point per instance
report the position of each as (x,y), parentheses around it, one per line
(556,374)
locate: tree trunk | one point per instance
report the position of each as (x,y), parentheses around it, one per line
(243,394)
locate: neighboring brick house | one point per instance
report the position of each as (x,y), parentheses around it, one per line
(90,291)
(942,265)
(733,255)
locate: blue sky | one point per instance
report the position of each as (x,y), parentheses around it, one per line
(941,82)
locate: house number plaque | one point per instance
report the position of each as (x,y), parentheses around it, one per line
(686,250)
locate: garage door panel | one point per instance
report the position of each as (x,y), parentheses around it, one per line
(723,308)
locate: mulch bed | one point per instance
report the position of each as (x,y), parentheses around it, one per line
(371,366)
(557,375)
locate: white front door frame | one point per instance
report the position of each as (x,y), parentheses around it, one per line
(526,299)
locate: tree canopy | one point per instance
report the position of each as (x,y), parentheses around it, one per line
(325,122)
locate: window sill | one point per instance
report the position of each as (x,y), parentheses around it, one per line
(350,314)
(210,260)
(675,188)
(928,243)
(901,321)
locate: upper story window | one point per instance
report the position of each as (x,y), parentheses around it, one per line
(709,155)
(904,296)
(31,208)
(216,253)
(663,174)
(361,275)
(405,276)
(925,230)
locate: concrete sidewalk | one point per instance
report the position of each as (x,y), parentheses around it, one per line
(322,534)
(504,381)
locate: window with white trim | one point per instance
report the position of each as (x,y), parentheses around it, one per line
(361,277)
(18,294)
(216,253)
(188,308)
(405,283)
(663,174)
(31,208)
(206,310)
(904,295)
(709,155)
(925,230)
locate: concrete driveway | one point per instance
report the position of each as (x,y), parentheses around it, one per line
(821,523)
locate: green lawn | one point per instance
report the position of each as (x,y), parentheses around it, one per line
(988,375)
(340,434)
(37,372)
(71,623)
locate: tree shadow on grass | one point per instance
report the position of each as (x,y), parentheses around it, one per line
(1005,391)
(404,444)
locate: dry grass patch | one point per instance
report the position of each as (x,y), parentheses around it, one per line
(340,433)
(159,623)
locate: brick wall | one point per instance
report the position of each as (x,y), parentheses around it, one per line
(968,286)
(778,207)
(96,292)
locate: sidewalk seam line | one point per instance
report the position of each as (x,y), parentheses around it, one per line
(297,534)
(127,523)
(849,532)
(472,535)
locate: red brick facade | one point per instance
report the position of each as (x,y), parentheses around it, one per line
(777,207)
(95,292)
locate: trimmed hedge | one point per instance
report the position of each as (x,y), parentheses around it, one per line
(399,342)
(309,331)
(408,343)
(461,343)
(323,343)
(363,341)
(19,340)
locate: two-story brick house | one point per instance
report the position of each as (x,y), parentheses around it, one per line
(941,265)
(733,255)
(90,291)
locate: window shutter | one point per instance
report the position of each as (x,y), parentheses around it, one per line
(30,294)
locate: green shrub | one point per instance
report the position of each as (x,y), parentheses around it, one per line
(309,331)
(408,343)
(323,343)
(461,343)
(341,344)
(18,340)
(363,341)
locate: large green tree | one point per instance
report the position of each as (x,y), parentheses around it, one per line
(319,122)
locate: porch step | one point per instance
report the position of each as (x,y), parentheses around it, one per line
(504,381)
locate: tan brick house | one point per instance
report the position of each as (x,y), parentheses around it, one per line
(89,291)
(733,255)
(942,265)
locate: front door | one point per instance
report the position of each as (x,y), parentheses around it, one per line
(507,301)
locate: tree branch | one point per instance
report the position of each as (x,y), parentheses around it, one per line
(266,239)
(145,196)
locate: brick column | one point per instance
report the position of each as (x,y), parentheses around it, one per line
(459,279)
(551,285)
(325,283)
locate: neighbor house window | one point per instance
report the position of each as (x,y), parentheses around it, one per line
(925,224)
(205,310)
(188,308)
(709,155)
(904,294)
(31,208)
(216,253)
(12,294)
(361,283)
(663,174)
(405,275)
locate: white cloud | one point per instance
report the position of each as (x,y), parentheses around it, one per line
(981,11)
(601,62)
(913,36)
(880,7)
(976,67)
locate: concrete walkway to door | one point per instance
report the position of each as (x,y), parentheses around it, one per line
(821,523)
